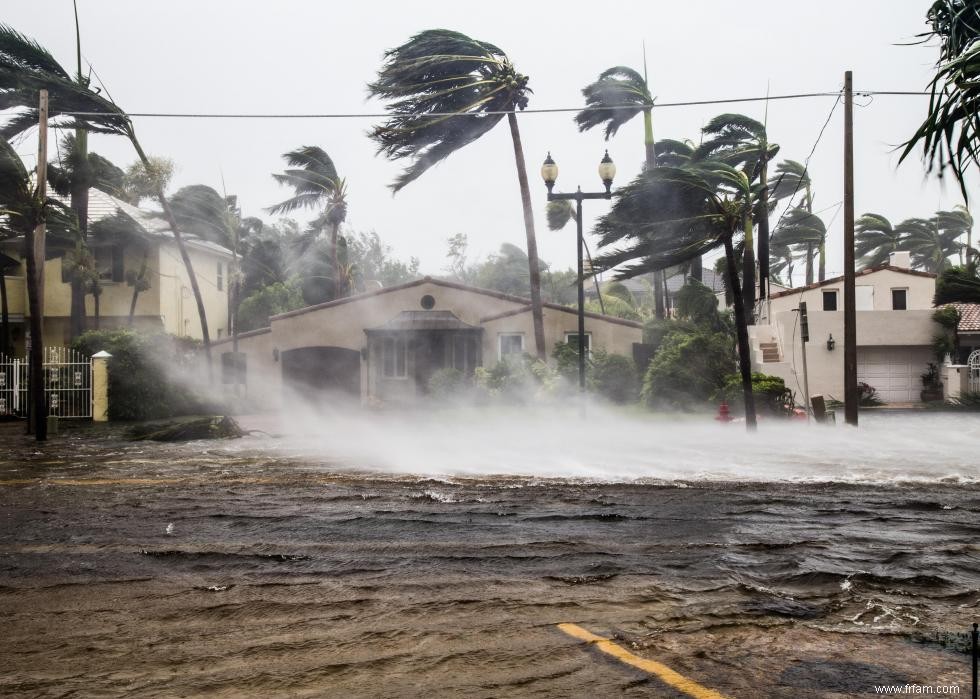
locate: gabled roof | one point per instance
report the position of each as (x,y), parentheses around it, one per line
(862,273)
(522,305)
(566,309)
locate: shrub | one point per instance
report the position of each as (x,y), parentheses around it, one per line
(516,380)
(447,383)
(144,373)
(615,376)
(254,312)
(688,370)
(771,394)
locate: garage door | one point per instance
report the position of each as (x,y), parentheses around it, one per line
(896,372)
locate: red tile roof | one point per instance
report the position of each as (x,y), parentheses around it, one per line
(969,316)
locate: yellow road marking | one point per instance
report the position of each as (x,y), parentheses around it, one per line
(662,672)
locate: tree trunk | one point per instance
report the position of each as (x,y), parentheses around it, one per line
(809,264)
(97,298)
(667,304)
(38,420)
(658,294)
(742,331)
(822,252)
(748,271)
(697,268)
(81,178)
(335,262)
(136,287)
(764,232)
(651,152)
(195,287)
(532,243)
(4,315)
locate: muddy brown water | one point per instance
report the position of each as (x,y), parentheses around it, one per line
(212,569)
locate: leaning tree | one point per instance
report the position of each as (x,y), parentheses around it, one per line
(444,91)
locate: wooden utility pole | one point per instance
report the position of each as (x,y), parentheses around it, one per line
(35,262)
(850,314)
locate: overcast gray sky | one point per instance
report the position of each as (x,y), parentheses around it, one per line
(316,57)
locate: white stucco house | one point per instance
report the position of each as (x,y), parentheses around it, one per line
(895,333)
(383,346)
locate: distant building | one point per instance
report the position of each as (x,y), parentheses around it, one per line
(385,345)
(895,332)
(168,305)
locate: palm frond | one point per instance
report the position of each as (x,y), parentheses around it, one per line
(617,96)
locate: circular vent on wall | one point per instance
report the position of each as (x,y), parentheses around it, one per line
(428,303)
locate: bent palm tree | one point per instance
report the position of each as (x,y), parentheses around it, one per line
(617,96)
(740,141)
(314,179)
(931,246)
(801,230)
(668,215)
(875,239)
(445,91)
(958,222)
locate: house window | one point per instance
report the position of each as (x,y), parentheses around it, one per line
(572,339)
(830,300)
(464,354)
(393,352)
(900,299)
(511,344)
(221,279)
(109,262)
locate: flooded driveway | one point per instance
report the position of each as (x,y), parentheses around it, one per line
(259,568)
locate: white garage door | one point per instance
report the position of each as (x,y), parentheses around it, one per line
(895,371)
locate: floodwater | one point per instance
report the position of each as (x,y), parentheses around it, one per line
(312,565)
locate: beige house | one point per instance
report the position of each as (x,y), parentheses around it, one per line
(168,305)
(895,332)
(386,344)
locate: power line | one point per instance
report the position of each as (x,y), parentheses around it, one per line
(556,110)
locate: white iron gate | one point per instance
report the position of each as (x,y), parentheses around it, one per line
(974,363)
(67,378)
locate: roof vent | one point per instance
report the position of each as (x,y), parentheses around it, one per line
(901,259)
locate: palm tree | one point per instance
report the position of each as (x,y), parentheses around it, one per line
(782,260)
(445,91)
(25,68)
(558,214)
(801,230)
(314,179)
(792,178)
(959,221)
(740,141)
(875,239)
(617,96)
(930,245)
(668,215)
(950,133)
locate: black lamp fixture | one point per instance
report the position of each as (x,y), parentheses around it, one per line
(830,343)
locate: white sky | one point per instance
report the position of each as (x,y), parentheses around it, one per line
(316,57)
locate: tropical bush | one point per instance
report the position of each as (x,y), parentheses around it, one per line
(688,370)
(448,383)
(150,376)
(614,377)
(516,380)
(771,394)
(254,312)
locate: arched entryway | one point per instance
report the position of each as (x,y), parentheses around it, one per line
(317,372)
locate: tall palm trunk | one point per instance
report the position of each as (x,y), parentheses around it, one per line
(79,204)
(822,252)
(742,331)
(809,264)
(136,286)
(172,222)
(660,309)
(35,290)
(532,243)
(764,230)
(748,269)
(338,285)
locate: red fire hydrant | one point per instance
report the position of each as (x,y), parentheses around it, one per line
(723,413)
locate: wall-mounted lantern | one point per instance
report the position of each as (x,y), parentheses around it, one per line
(830,343)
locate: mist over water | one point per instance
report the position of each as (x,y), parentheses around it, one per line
(614,445)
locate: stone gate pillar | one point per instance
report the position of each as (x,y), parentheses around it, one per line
(100,386)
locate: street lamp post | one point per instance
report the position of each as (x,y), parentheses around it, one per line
(607,171)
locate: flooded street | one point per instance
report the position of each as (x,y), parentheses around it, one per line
(263,567)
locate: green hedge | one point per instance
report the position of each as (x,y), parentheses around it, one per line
(145,373)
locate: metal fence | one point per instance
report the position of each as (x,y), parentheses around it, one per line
(67,378)
(974,363)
